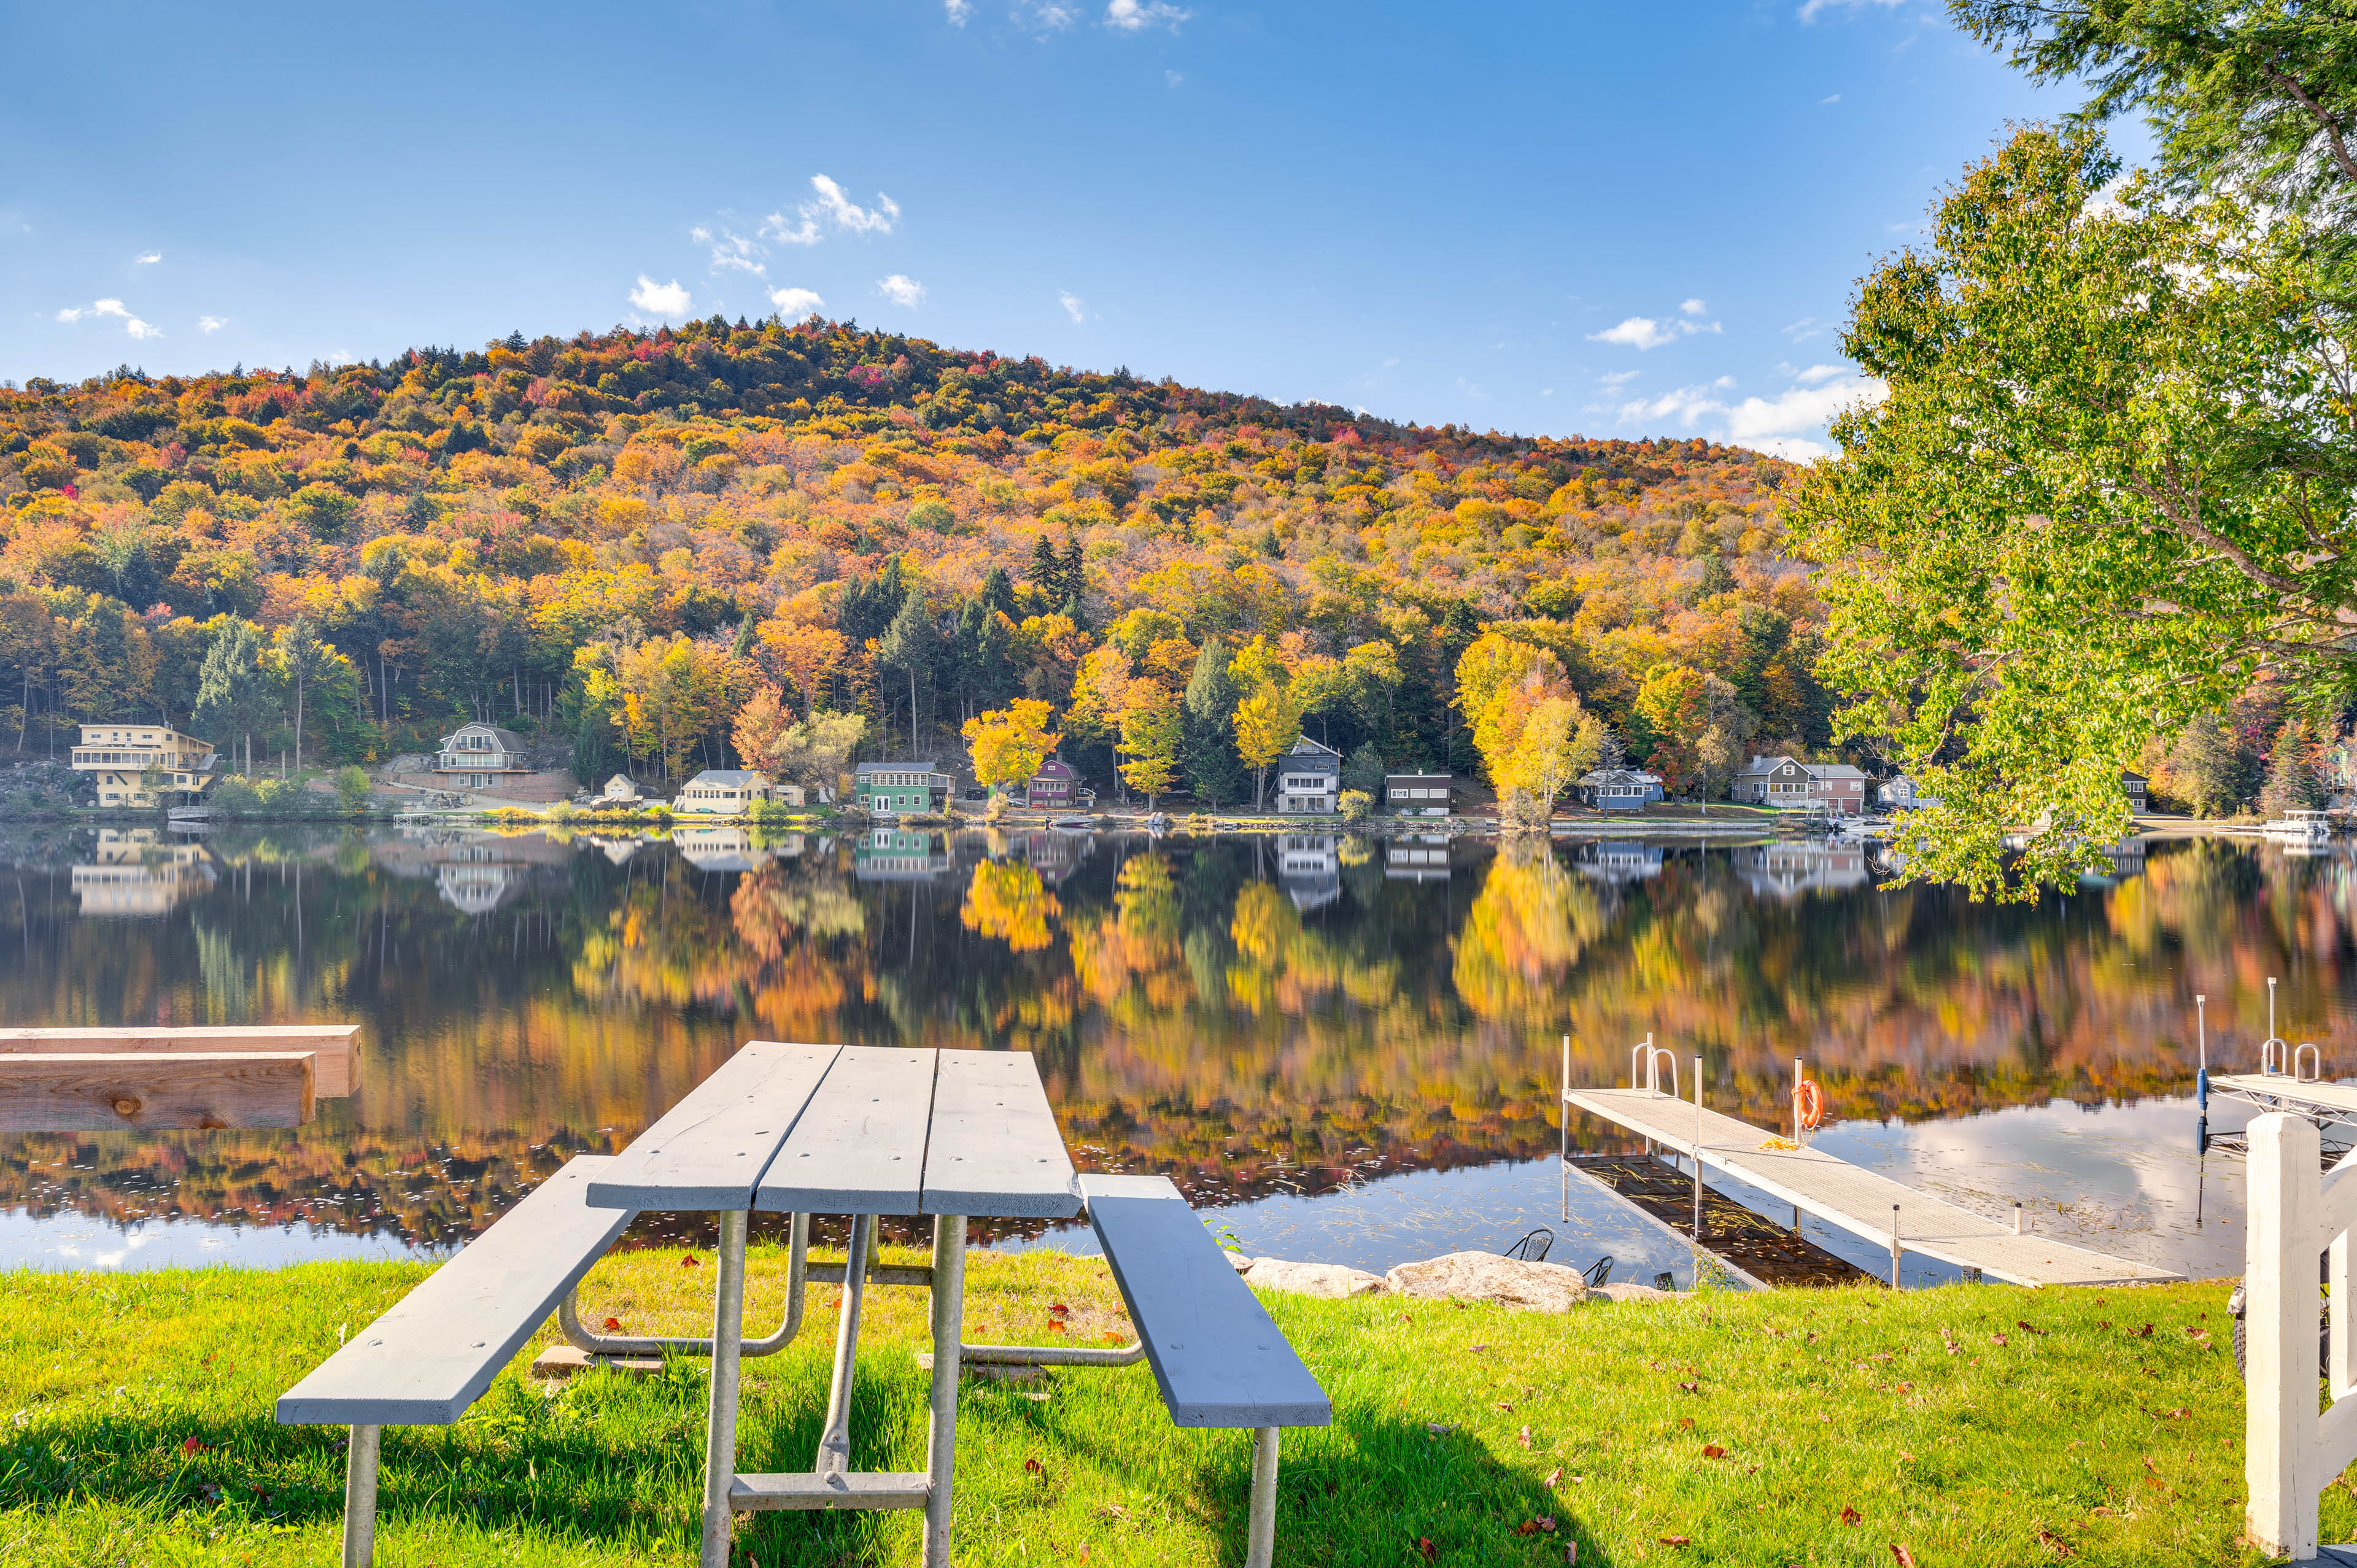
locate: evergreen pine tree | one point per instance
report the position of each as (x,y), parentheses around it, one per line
(2292,784)
(1207,740)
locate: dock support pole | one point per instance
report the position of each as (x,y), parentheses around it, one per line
(2202,1053)
(1697,1161)
(2017,1219)
(1894,1246)
(1563,1139)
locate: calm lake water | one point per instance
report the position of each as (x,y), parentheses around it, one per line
(1351,1047)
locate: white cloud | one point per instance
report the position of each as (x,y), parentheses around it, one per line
(1173,77)
(1812,7)
(902,289)
(831,206)
(1617,379)
(1136,16)
(732,251)
(958,10)
(1802,408)
(1642,332)
(1072,306)
(215,322)
(139,329)
(1547,391)
(1049,14)
(1792,449)
(660,298)
(110,307)
(1803,329)
(1816,373)
(794,304)
(1830,98)
(70,314)
(150,258)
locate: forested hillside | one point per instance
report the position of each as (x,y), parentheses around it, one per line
(620,540)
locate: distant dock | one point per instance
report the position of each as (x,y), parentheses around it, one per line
(1871,1206)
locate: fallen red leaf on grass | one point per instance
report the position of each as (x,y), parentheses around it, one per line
(2055,1543)
(688,1262)
(1431,1552)
(1542,1525)
(1850,1515)
(193,1445)
(1034,1468)
(1905,1558)
(1996,1338)
(1713,1451)
(613,1326)
(1675,1541)
(1552,1476)
(1058,1310)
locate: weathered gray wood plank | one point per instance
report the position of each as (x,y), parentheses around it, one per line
(113,1093)
(333,1043)
(435,1351)
(708,1151)
(995,1148)
(1215,1352)
(860,1147)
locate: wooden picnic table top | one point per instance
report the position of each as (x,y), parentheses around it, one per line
(821,1129)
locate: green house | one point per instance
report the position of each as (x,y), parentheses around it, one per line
(895,788)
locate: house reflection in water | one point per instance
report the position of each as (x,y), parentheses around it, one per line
(1789,870)
(1310,869)
(137,871)
(1423,859)
(727,848)
(1055,856)
(1619,861)
(895,855)
(472,871)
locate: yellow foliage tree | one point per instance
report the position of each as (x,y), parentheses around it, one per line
(757,726)
(1267,723)
(1149,734)
(1010,743)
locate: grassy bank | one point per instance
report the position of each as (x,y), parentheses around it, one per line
(1968,1424)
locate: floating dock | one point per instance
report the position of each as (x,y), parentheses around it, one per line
(1754,1248)
(1868,1206)
(2331,1106)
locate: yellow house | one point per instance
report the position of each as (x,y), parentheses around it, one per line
(141,765)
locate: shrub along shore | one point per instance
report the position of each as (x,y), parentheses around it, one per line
(1981,1425)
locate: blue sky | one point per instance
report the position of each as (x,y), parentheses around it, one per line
(1600,219)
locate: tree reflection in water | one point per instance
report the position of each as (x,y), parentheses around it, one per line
(1246,1014)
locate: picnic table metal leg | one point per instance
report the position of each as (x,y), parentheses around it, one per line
(1260,1528)
(360,1497)
(949,1327)
(720,1436)
(835,1443)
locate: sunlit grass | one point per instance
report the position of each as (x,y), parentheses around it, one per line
(135,1427)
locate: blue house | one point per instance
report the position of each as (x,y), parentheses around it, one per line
(1619,790)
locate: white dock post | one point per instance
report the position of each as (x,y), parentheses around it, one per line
(1563,1131)
(1697,1161)
(2282,1471)
(1894,1246)
(2017,1218)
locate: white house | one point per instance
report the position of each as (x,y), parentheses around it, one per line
(1899,795)
(1310,777)
(724,791)
(480,757)
(622,790)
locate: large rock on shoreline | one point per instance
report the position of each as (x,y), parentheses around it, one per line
(1485,1276)
(1336,1281)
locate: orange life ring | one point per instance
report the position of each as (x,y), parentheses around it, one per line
(1809,1103)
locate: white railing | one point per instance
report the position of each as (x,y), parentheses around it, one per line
(2293,1452)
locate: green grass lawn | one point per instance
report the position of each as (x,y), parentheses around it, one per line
(1969,1425)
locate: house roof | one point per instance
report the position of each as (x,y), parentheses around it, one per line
(1056,768)
(1305,746)
(1833,770)
(1418,779)
(734,777)
(509,740)
(866,768)
(1618,775)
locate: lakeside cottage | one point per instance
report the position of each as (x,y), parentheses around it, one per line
(1619,790)
(1055,788)
(723,791)
(2135,785)
(480,756)
(1418,794)
(1310,777)
(899,788)
(1899,795)
(622,790)
(1784,781)
(140,764)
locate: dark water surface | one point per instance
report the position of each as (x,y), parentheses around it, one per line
(1350,1044)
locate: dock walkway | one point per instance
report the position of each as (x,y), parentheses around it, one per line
(1858,1200)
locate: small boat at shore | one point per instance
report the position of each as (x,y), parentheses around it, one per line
(2299,828)
(1073,824)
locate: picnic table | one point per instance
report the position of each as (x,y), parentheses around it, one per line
(860,1132)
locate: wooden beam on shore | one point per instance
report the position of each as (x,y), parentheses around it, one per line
(121,1091)
(334,1043)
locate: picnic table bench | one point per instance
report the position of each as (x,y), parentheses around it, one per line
(830,1130)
